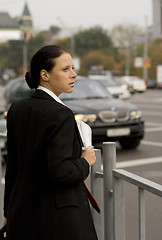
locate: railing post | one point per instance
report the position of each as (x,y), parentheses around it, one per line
(119,209)
(96,189)
(109,163)
(141,214)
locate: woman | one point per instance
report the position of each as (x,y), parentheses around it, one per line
(45,197)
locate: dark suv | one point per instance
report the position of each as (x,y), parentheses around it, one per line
(110,119)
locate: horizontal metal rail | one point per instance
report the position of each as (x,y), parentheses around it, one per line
(140,182)
(113,198)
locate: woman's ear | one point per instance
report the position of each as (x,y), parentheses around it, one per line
(44,75)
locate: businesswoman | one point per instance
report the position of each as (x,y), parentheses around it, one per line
(45,196)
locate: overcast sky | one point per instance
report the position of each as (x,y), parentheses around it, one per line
(82,13)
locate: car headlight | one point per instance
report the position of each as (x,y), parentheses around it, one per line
(86,117)
(124,86)
(5,114)
(135,115)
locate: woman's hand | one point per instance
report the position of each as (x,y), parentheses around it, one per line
(89,155)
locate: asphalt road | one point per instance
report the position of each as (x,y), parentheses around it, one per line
(147,162)
(150,154)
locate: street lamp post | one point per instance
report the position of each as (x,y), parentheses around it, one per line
(145,54)
(25,60)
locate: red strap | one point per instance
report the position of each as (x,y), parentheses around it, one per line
(92,200)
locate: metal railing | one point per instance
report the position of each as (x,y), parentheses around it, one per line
(110,225)
(107,185)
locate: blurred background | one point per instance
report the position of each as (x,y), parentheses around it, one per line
(124,37)
(117,53)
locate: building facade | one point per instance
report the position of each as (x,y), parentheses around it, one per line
(16,28)
(157,19)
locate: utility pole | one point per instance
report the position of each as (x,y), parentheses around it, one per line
(127,67)
(25,57)
(145,53)
(72,40)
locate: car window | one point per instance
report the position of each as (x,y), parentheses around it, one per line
(86,89)
(19,90)
(108,82)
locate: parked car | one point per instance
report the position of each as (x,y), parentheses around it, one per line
(138,83)
(110,119)
(16,89)
(124,84)
(151,83)
(159,85)
(114,88)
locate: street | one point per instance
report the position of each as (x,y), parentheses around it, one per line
(145,161)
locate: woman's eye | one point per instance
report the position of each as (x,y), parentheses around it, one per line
(65,69)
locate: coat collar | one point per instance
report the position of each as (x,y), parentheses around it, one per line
(42,94)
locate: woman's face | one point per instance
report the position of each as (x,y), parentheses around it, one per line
(62,76)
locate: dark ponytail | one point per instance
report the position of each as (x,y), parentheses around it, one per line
(44,58)
(29,80)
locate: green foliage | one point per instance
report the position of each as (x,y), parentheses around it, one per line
(64,43)
(11,53)
(33,45)
(54,29)
(156,57)
(91,39)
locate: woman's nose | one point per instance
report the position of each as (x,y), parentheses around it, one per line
(74,75)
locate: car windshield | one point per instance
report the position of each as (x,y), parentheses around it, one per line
(86,89)
(108,82)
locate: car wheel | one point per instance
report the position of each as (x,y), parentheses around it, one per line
(130,143)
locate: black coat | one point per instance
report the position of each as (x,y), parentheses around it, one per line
(45,198)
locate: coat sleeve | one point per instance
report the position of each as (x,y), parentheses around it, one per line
(62,168)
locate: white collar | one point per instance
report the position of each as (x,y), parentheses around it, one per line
(51,94)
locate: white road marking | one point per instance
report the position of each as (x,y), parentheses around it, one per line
(146,106)
(146,100)
(153,129)
(151,113)
(139,162)
(150,143)
(153,124)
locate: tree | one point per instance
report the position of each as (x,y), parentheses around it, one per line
(91,39)
(156,57)
(125,39)
(125,36)
(54,29)
(63,42)
(96,58)
(14,49)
